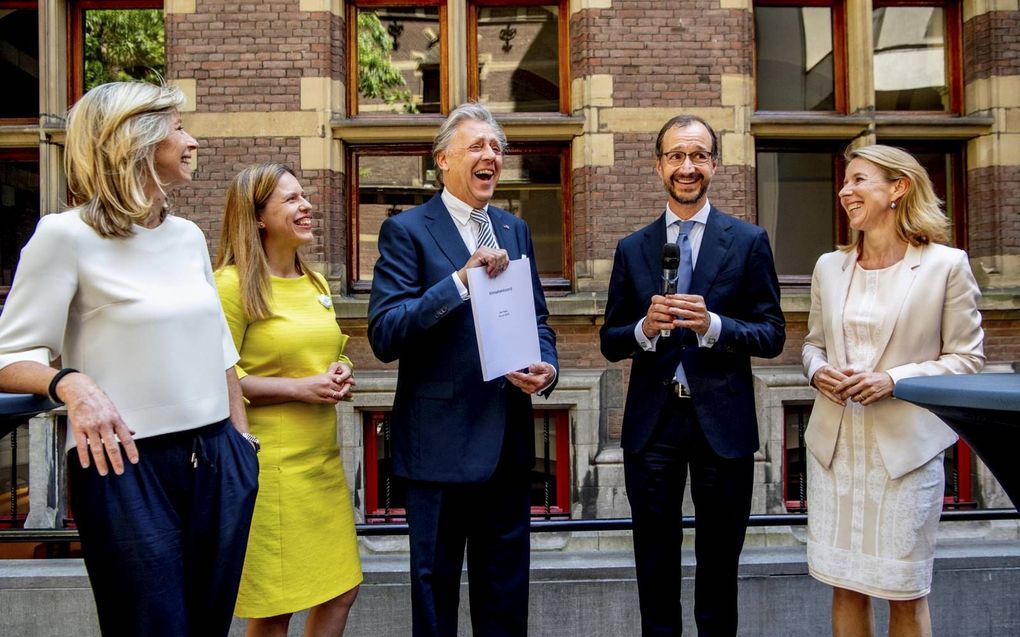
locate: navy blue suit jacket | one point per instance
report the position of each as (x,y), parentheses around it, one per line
(736,275)
(447,424)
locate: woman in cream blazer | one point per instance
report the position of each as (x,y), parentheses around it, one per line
(894,304)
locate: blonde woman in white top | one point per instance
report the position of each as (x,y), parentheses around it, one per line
(893,304)
(124,295)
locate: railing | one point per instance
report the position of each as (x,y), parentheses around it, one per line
(16,410)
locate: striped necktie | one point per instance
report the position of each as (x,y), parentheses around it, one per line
(485,236)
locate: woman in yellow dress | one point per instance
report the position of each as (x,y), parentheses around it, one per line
(302,550)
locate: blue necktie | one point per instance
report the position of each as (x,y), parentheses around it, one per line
(485,236)
(683,279)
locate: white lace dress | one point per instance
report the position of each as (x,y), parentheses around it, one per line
(867,532)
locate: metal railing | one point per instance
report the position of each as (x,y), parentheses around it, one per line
(16,410)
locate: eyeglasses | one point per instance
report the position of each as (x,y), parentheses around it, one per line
(678,157)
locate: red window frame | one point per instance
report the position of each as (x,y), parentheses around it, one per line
(551,285)
(962,463)
(954,50)
(563,6)
(76,37)
(375,512)
(352,51)
(839,58)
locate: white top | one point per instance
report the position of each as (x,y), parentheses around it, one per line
(139,315)
(866,305)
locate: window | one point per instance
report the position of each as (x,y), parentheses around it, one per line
(518,52)
(534,185)
(550,477)
(19,207)
(114,40)
(798,206)
(800,65)
(795,420)
(946,167)
(914,46)
(400,64)
(19,61)
(386,494)
(957,464)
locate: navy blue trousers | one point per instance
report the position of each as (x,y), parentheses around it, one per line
(721,490)
(493,520)
(164,543)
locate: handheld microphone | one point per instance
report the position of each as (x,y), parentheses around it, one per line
(670,271)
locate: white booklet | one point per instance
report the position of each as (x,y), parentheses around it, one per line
(505,322)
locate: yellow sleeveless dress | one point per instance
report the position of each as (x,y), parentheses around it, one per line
(302,549)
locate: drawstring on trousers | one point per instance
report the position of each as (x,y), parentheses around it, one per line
(198,451)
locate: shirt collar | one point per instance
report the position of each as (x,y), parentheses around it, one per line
(700,216)
(460,211)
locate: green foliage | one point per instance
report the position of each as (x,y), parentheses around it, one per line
(124,44)
(377,77)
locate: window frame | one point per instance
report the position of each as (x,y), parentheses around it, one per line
(839,52)
(550,285)
(351,17)
(76,36)
(954,55)
(19,154)
(957,151)
(22,121)
(841,223)
(563,46)
(559,419)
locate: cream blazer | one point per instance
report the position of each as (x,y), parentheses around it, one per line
(932,327)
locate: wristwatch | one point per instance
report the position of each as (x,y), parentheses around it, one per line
(252,440)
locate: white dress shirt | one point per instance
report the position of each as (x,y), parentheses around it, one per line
(697,232)
(469,230)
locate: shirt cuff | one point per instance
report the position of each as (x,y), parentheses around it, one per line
(711,335)
(551,381)
(647,344)
(461,288)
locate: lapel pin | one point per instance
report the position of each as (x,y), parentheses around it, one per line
(506,227)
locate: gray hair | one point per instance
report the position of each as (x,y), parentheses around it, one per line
(467,110)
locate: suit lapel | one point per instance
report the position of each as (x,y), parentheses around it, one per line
(651,252)
(839,292)
(904,280)
(505,236)
(715,243)
(441,226)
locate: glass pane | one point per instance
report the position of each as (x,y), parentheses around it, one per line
(19,211)
(796,205)
(398,60)
(910,59)
(530,188)
(518,58)
(388,185)
(122,45)
(19,62)
(794,56)
(14,478)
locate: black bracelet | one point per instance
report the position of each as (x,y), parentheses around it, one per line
(52,391)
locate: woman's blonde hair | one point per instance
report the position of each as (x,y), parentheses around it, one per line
(241,240)
(109,155)
(919,218)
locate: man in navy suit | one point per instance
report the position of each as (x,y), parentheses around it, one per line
(690,402)
(465,446)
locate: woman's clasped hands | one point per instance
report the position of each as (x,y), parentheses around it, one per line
(840,385)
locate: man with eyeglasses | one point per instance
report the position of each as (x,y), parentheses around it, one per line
(690,401)
(465,446)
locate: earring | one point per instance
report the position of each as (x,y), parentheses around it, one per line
(262,225)
(893,205)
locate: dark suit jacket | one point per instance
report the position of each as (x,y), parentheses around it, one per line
(736,275)
(448,425)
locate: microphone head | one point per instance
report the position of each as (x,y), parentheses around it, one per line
(670,256)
